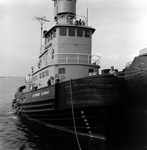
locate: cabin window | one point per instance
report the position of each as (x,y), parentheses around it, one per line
(63,31)
(43,74)
(36,77)
(91,70)
(71,31)
(51,36)
(40,75)
(46,58)
(61,70)
(54,34)
(87,33)
(80,32)
(47,72)
(48,38)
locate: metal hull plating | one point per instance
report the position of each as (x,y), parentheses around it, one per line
(90,105)
(95,122)
(136,81)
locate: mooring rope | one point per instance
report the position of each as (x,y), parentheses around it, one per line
(74,116)
(18,111)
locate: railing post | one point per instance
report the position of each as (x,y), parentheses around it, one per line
(88,58)
(77,58)
(66,58)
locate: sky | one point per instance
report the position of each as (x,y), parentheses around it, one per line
(121,31)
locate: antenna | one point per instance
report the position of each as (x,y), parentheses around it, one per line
(41,20)
(87,14)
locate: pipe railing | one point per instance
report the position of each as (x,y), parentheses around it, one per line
(67,58)
(78,58)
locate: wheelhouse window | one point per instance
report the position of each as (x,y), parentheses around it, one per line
(80,32)
(71,31)
(61,70)
(87,33)
(63,31)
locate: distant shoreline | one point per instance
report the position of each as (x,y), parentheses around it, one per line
(10,77)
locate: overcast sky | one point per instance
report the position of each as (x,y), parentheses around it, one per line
(121,31)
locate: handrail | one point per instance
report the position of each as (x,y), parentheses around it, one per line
(80,58)
(67,21)
(67,58)
(71,20)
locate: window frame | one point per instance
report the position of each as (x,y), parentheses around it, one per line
(63,31)
(62,70)
(91,70)
(79,35)
(71,31)
(86,33)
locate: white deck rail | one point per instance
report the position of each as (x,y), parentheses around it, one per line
(67,58)
(78,58)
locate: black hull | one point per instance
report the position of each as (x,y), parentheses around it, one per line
(88,106)
(136,84)
(96,122)
(136,116)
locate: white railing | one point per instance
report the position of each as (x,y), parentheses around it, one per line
(67,58)
(77,58)
(77,20)
(65,20)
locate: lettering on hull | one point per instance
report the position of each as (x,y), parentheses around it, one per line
(41,93)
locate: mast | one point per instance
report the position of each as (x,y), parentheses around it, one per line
(41,20)
(87,14)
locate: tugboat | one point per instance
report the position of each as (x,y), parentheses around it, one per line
(65,89)
(135,76)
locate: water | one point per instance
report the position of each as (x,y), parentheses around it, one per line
(20,134)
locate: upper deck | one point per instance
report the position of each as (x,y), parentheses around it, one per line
(67,50)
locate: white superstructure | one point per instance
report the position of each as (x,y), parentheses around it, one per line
(67,47)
